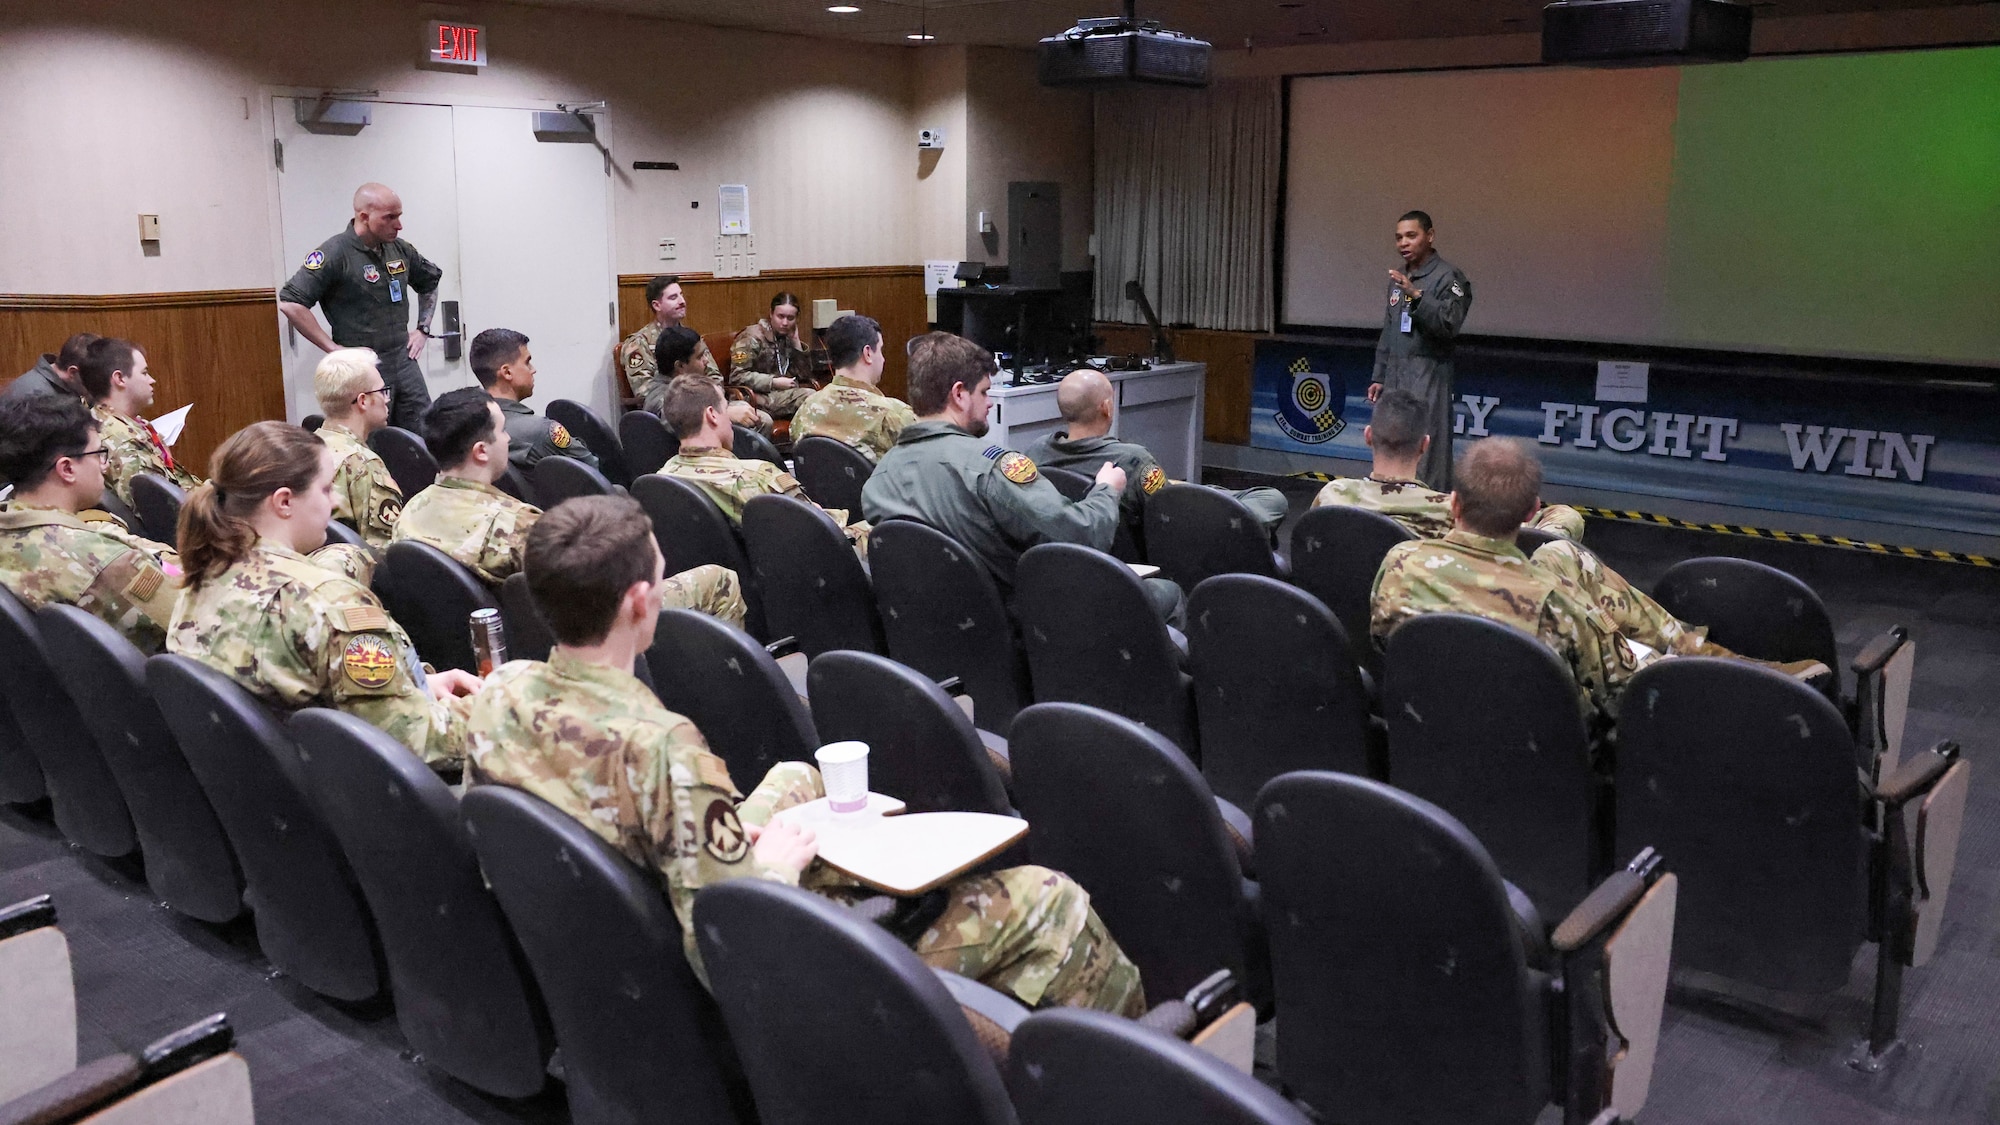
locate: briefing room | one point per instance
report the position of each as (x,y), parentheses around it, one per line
(1136,562)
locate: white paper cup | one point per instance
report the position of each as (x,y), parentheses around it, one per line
(843,768)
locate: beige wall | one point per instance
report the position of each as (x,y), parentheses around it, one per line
(940,100)
(1020,130)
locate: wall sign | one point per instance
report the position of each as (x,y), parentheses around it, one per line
(456,44)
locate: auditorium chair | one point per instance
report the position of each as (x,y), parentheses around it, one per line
(556,479)
(1075,486)
(528,636)
(734,691)
(189,865)
(158,502)
(515,483)
(647,441)
(20,774)
(1485,722)
(832,473)
(749,445)
(109,502)
(1276,688)
(408,458)
(1417,988)
(1336,552)
(1532,539)
(1194,532)
(311,921)
(1092,636)
(691,531)
(597,436)
(190,1077)
(886,1041)
(338,532)
(463,994)
(942,615)
(1752,610)
(37,998)
(89,805)
(1792,855)
(312,422)
(922,748)
(637,1031)
(1074,1066)
(432,596)
(813,585)
(1118,808)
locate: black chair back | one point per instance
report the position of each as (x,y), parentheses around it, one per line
(1746,777)
(1073,1066)
(1075,486)
(922,749)
(1194,533)
(886,1043)
(1119,809)
(1485,722)
(408,458)
(832,472)
(647,441)
(528,636)
(1399,959)
(1532,539)
(432,596)
(556,478)
(188,861)
(1276,688)
(597,435)
(312,422)
(514,483)
(311,921)
(942,615)
(158,502)
(733,690)
(1751,609)
(811,583)
(110,502)
(751,445)
(20,774)
(338,532)
(1092,636)
(638,1032)
(463,995)
(692,532)
(89,805)
(1336,553)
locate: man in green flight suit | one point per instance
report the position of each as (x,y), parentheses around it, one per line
(943,472)
(503,365)
(362,279)
(1428,300)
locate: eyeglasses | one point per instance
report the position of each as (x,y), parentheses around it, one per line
(387,393)
(100,451)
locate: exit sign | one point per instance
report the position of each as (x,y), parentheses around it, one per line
(456,44)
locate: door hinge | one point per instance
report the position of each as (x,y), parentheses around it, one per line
(278,153)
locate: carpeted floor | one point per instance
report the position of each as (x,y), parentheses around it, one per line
(142,971)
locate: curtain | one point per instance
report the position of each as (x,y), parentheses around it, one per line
(1187,197)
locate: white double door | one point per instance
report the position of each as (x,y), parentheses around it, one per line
(521,228)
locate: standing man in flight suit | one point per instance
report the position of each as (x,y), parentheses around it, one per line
(362,279)
(1428,300)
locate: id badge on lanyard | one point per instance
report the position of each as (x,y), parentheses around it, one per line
(396,294)
(1406,320)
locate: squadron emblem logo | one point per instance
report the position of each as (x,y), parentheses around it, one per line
(722,834)
(369,661)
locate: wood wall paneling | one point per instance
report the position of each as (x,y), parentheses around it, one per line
(893,295)
(217,349)
(1229,356)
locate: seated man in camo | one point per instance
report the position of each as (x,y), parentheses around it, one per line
(486,530)
(852,409)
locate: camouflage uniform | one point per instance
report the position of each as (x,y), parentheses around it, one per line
(296,635)
(90,561)
(1427,513)
(1636,616)
(133,448)
(594,742)
(365,496)
(731,481)
(760,355)
(486,530)
(642,371)
(853,413)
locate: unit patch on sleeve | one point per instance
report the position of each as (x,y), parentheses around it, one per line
(315,260)
(559,435)
(1018,468)
(369,661)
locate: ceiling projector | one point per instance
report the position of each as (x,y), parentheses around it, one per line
(1645,32)
(1120,49)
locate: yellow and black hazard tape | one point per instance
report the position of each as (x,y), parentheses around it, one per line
(1812,538)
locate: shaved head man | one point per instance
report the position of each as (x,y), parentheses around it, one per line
(1084,397)
(365,280)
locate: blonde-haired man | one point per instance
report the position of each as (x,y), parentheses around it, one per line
(355,400)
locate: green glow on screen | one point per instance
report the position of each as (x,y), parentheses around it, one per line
(1839,205)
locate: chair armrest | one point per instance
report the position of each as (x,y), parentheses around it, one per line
(28,914)
(1917,775)
(75,1093)
(1879,651)
(1174,1017)
(782,647)
(1002,1010)
(952,686)
(1605,905)
(1237,827)
(196,1043)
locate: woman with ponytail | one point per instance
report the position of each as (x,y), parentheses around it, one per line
(290,631)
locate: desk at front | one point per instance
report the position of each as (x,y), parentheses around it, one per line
(1160,409)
